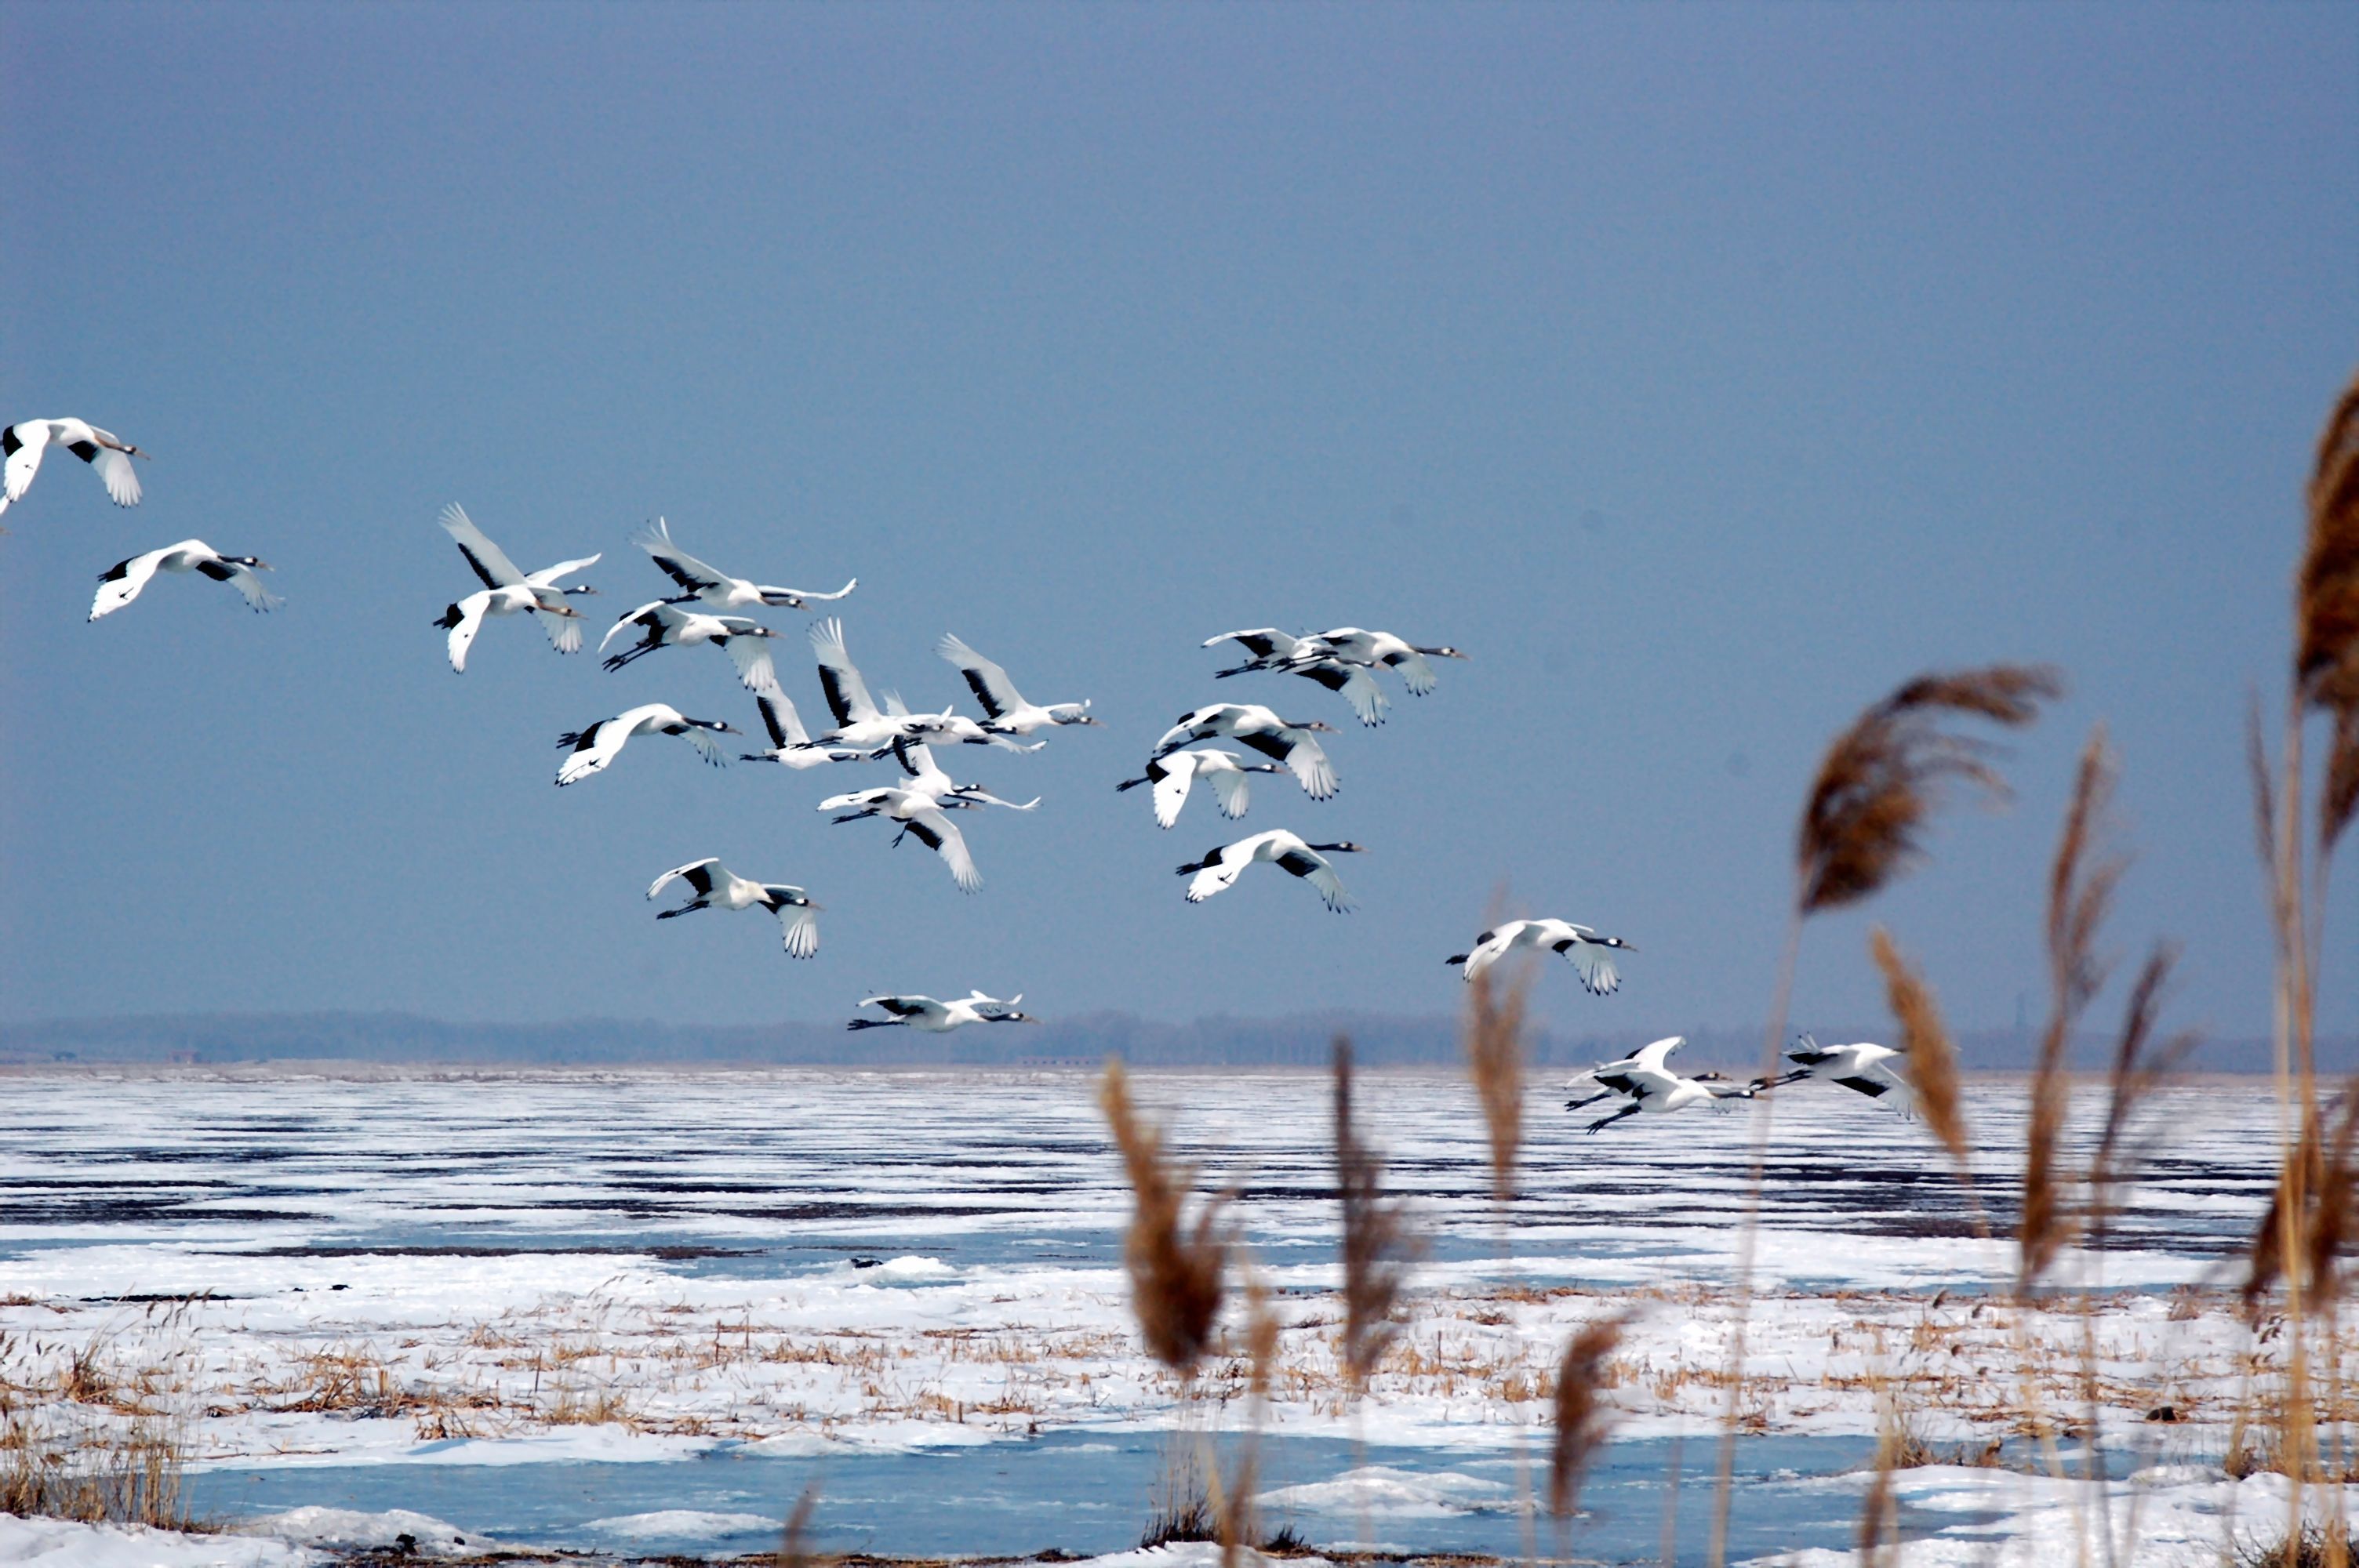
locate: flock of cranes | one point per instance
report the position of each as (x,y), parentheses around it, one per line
(712,606)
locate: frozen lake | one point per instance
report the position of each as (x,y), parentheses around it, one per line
(550,1306)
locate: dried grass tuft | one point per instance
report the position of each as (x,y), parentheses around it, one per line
(1378,1246)
(1175,1270)
(1883,777)
(1495,1060)
(2080,886)
(1932,1058)
(1237,1515)
(1580,1416)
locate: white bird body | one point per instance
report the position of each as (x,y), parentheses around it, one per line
(1591,955)
(926,777)
(1004,707)
(1313,658)
(862,726)
(110,456)
(924,1014)
(717,887)
(918,814)
(1250,724)
(1227,773)
(790,743)
(1862,1066)
(1271,649)
(121,583)
(591,750)
(1222,866)
(1646,1081)
(1406,659)
(670,625)
(508,591)
(716,589)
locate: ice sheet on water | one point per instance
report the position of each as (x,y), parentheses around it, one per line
(2179,1516)
(348,1529)
(684,1525)
(66,1543)
(1379,1489)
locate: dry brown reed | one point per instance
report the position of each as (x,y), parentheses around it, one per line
(1581,1415)
(2080,884)
(2319,1178)
(99,1474)
(1495,1060)
(2326,641)
(1880,780)
(1932,1058)
(1237,1522)
(1175,1268)
(1376,1245)
(2140,1067)
(792,1552)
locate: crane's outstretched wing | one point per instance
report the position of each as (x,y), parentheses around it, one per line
(1358,687)
(463,630)
(838,677)
(675,563)
(1593,962)
(24,458)
(114,471)
(751,655)
(1314,870)
(797,926)
(490,562)
(697,875)
(987,680)
(245,580)
(938,833)
(121,583)
(591,749)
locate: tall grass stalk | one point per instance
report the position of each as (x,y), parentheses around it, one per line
(2324,683)
(1862,825)
(1377,1248)
(1493,1040)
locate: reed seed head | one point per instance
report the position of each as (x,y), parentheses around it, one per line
(2080,884)
(1932,1058)
(1495,1060)
(1580,1414)
(1175,1268)
(1884,775)
(2326,612)
(1378,1246)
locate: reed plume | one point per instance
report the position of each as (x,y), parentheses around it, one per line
(792,1552)
(2138,1069)
(1378,1246)
(1880,780)
(2320,1180)
(1175,1268)
(2080,884)
(1495,1060)
(2326,641)
(1580,1414)
(1932,1058)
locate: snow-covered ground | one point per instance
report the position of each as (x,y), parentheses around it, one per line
(547,1271)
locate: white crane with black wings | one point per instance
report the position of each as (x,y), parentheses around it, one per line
(714,589)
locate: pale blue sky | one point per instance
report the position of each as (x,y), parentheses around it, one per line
(1704,371)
